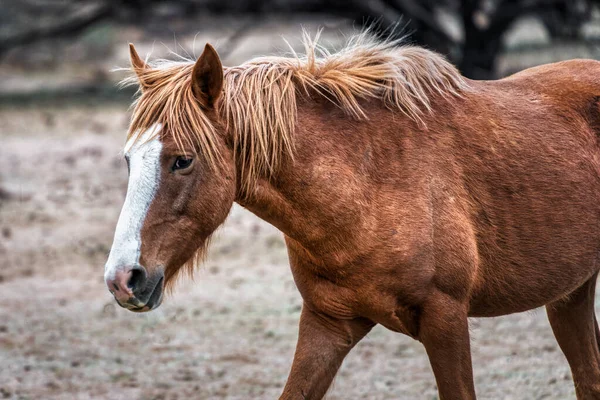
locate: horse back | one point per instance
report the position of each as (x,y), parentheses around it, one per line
(569,87)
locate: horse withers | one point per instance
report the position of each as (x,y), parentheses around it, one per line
(408,195)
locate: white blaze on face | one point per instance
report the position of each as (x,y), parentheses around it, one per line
(144,176)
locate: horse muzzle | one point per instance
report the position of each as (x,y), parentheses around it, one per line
(136,290)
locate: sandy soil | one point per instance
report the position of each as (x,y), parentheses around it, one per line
(230,334)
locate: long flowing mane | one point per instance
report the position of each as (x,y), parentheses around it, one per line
(259,103)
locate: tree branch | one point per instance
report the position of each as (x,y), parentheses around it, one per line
(61,29)
(416,12)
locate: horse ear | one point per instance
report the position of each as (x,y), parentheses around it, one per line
(207,77)
(138,65)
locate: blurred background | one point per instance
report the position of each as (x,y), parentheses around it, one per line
(231,333)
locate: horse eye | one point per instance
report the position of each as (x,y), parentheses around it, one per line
(182,162)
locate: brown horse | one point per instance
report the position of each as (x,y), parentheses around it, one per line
(408,195)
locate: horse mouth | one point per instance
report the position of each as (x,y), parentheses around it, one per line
(153,302)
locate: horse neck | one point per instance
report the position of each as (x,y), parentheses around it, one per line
(271,197)
(317,199)
(269,202)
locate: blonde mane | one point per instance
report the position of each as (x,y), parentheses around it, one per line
(259,98)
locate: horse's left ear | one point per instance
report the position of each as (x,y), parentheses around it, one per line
(207,77)
(138,65)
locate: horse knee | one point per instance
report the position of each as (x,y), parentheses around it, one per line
(443,317)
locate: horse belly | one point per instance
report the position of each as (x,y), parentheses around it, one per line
(510,291)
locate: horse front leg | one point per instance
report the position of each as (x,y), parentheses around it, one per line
(323,342)
(444,331)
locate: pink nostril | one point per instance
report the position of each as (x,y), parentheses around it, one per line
(119,285)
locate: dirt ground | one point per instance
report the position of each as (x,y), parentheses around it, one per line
(229,334)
